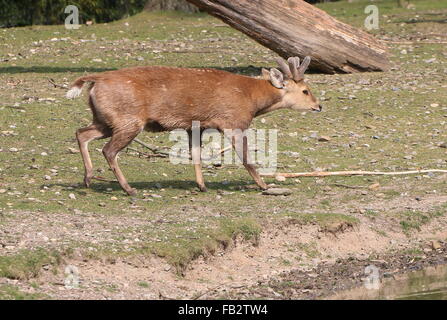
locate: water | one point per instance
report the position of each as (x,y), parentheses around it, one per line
(427,284)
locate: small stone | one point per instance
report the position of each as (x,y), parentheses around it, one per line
(13,149)
(47,177)
(443,145)
(277,192)
(434,105)
(113,198)
(72,196)
(280,178)
(324,139)
(435,244)
(73,150)
(2,190)
(43,154)
(101,204)
(374,186)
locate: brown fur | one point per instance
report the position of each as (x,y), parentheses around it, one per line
(127,101)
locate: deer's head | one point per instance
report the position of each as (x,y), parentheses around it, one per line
(290,80)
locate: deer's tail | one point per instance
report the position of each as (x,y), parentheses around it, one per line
(76,87)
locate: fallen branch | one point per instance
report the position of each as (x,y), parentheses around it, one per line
(148,155)
(159,153)
(154,149)
(56,85)
(350,173)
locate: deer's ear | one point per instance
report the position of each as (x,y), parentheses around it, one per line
(265,74)
(276,78)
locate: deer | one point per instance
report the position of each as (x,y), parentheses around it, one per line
(127,101)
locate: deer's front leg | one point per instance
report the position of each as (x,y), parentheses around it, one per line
(240,145)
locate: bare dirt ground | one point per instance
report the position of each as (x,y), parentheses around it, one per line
(242,270)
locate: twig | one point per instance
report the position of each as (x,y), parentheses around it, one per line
(207,291)
(16,107)
(154,149)
(348,186)
(415,42)
(350,173)
(159,155)
(103,179)
(55,84)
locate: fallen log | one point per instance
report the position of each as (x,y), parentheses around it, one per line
(296,28)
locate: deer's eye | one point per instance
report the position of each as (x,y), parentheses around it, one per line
(306,92)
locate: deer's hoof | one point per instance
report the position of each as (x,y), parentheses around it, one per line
(87,181)
(131,192)
(203,188)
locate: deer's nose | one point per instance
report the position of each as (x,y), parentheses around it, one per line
(318,108)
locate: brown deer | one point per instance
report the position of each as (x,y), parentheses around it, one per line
(127,101)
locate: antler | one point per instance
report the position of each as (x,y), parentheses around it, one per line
(292,68)
(297,70)
(303,67)
(294,63)
(284,67)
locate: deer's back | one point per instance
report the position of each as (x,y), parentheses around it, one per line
(174,97)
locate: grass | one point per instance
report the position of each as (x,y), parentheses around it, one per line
(27,264)
(310,249)
(414,220)
(185,247)
(36,119)
(10,292)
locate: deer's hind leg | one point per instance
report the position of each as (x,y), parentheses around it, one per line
(84,136)
(121,137)
(195,151)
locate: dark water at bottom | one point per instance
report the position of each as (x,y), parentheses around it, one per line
(426,284)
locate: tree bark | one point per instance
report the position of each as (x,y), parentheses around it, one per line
(176,5)
(296,28)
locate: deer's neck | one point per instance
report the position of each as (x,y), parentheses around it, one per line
(267,98)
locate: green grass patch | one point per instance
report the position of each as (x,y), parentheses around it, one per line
(9,292)
(310,249)
(27,264)
(414,220)
(185,247)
